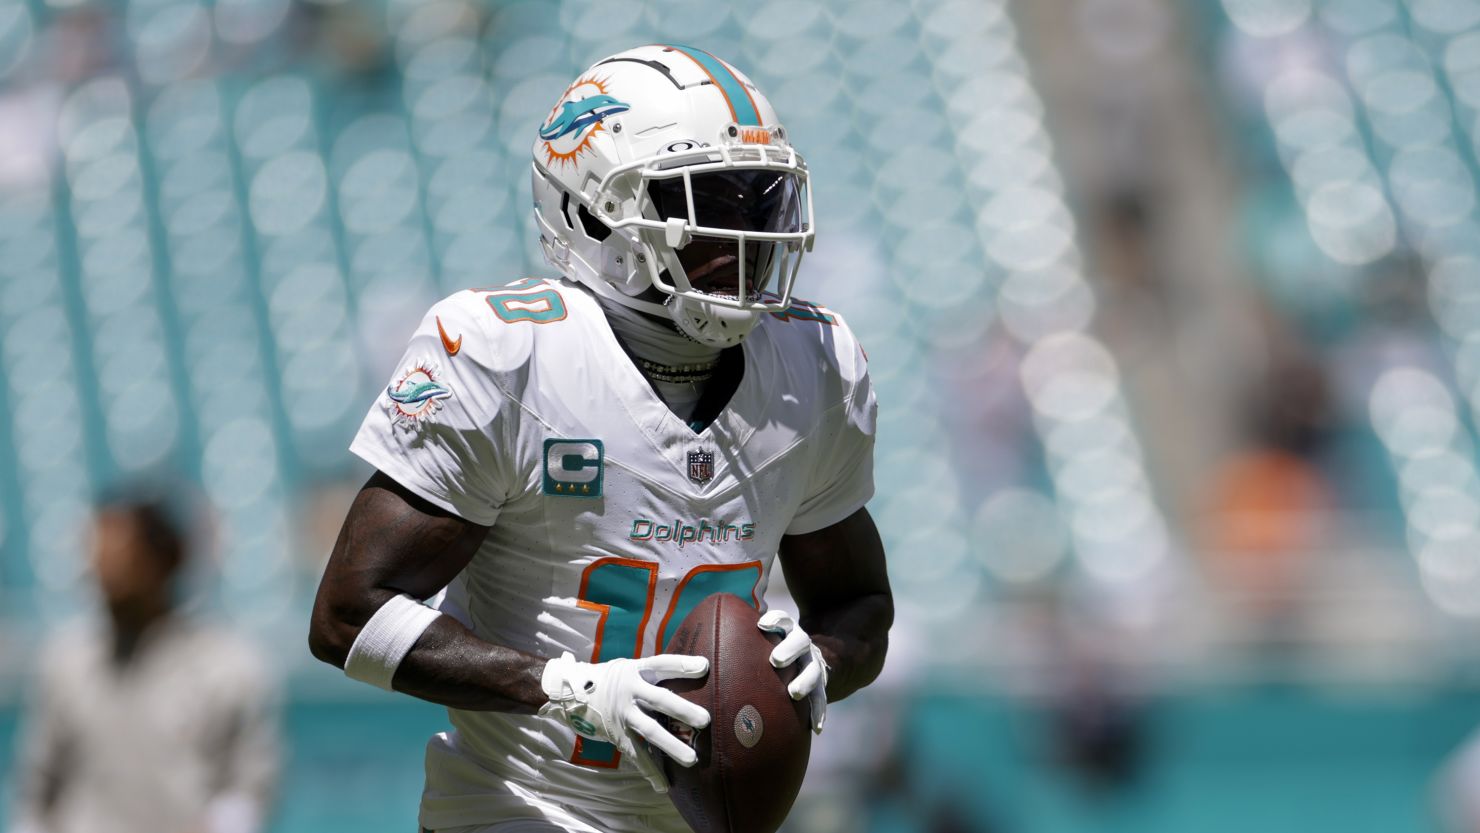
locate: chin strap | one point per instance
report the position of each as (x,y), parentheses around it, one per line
(711,324)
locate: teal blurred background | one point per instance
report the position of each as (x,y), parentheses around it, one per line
(1172,307)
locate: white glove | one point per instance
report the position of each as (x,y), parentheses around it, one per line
(601,701)
(796,646)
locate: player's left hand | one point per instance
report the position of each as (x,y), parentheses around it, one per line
(796,646)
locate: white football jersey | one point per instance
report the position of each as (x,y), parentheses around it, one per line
(515,407)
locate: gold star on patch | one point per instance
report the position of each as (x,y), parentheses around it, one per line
(558,487)
(586,489)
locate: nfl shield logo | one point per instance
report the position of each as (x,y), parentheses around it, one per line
(701,466)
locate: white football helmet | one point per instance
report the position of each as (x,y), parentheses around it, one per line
(664,168)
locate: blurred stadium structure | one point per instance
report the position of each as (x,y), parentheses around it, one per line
(1173,310)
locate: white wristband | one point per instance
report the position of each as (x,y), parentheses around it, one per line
(386,639)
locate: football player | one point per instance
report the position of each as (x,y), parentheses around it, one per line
(567,467)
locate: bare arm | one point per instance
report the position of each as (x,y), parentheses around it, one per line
(837,576)
(395,542)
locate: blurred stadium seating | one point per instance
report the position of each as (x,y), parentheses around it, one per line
(219,220)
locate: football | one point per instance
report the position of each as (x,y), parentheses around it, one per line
(753,755)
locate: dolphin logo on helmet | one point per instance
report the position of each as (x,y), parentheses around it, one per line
(577,115)
(576,120)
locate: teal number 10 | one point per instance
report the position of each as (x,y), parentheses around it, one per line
(622,590)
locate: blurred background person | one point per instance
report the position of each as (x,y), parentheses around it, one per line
(1268,501)
(149,720)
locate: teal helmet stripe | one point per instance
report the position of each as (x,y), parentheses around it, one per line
(741,104)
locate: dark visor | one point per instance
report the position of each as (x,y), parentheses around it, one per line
(740,200)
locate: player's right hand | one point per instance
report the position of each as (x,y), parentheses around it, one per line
(606,700)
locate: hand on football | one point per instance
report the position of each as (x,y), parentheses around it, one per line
(797,647)
(606,700)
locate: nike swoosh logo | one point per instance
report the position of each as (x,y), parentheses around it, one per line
(448,344)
